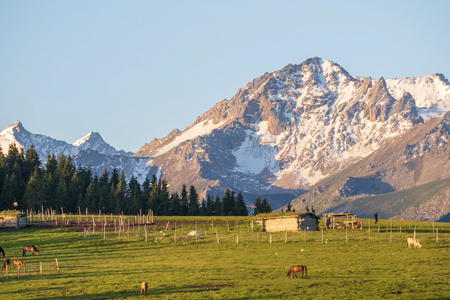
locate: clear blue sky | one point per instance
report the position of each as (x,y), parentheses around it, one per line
(135,70)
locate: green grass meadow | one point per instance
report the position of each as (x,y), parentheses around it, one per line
(244,265)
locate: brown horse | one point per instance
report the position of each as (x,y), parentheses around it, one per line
(6,263)
(31,248)
(144,286)
(295,269)
(18,262)
(3,252)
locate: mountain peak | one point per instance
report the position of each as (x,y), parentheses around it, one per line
(91,136)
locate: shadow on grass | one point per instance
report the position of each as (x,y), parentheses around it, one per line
(135,293)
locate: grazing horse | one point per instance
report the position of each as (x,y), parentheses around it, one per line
(6,263)
(31,248)
(144,286)
(18,262)
(415,242)
(295,269)
(3,252)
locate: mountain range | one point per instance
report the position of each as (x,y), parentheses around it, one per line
(310,134)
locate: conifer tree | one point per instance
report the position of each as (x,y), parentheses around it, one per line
(61,194)
(164,198)
(241,208)
(119,194)
(217,206)
(209,206)
(175,204)
(7,194)
(153,200)
(258,206)
(184,208)
(72,193)
(34,192)
(228,203)
(266,206)
(104,190)
(193,206)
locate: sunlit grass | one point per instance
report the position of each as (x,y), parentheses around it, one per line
(346,265)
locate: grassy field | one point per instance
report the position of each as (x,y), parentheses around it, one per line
(341,264)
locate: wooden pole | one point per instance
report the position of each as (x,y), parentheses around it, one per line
(390,239)
(346,234)
(270,238)
(146,235)
(40,268)
(437,235)
(217,237)
(57,265)
(237,238)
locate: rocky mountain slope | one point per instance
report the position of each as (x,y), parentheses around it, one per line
(417,158)
(289,129)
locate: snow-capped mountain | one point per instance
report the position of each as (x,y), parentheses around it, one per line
(90,150)
(284,134)
(291,128)
(94,141)
(16,133)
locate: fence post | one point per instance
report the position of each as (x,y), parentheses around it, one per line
(437,235)
(57,265)
(217,237)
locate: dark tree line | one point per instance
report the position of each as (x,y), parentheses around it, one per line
(26,184)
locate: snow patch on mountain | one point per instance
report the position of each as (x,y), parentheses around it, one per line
(197,130)
(431,93)
(253,155)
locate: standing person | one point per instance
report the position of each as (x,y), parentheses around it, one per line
(376,217)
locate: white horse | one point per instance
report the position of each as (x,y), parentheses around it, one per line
(415,242)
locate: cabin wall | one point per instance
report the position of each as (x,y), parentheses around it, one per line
(274,225)
(13,221)
(309,224)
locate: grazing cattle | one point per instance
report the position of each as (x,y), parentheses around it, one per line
(415,242)
(295,269)
(3,252)
(144,286)
(18,262)
(31,248)
(6,263)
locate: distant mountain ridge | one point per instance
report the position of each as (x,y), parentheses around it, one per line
(90,150)
(288,134)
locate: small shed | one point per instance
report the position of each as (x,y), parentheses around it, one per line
(342,220)
(15,221)
(305,222)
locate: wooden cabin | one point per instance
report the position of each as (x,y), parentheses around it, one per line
(15,221)
(305,222)
(342,221)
